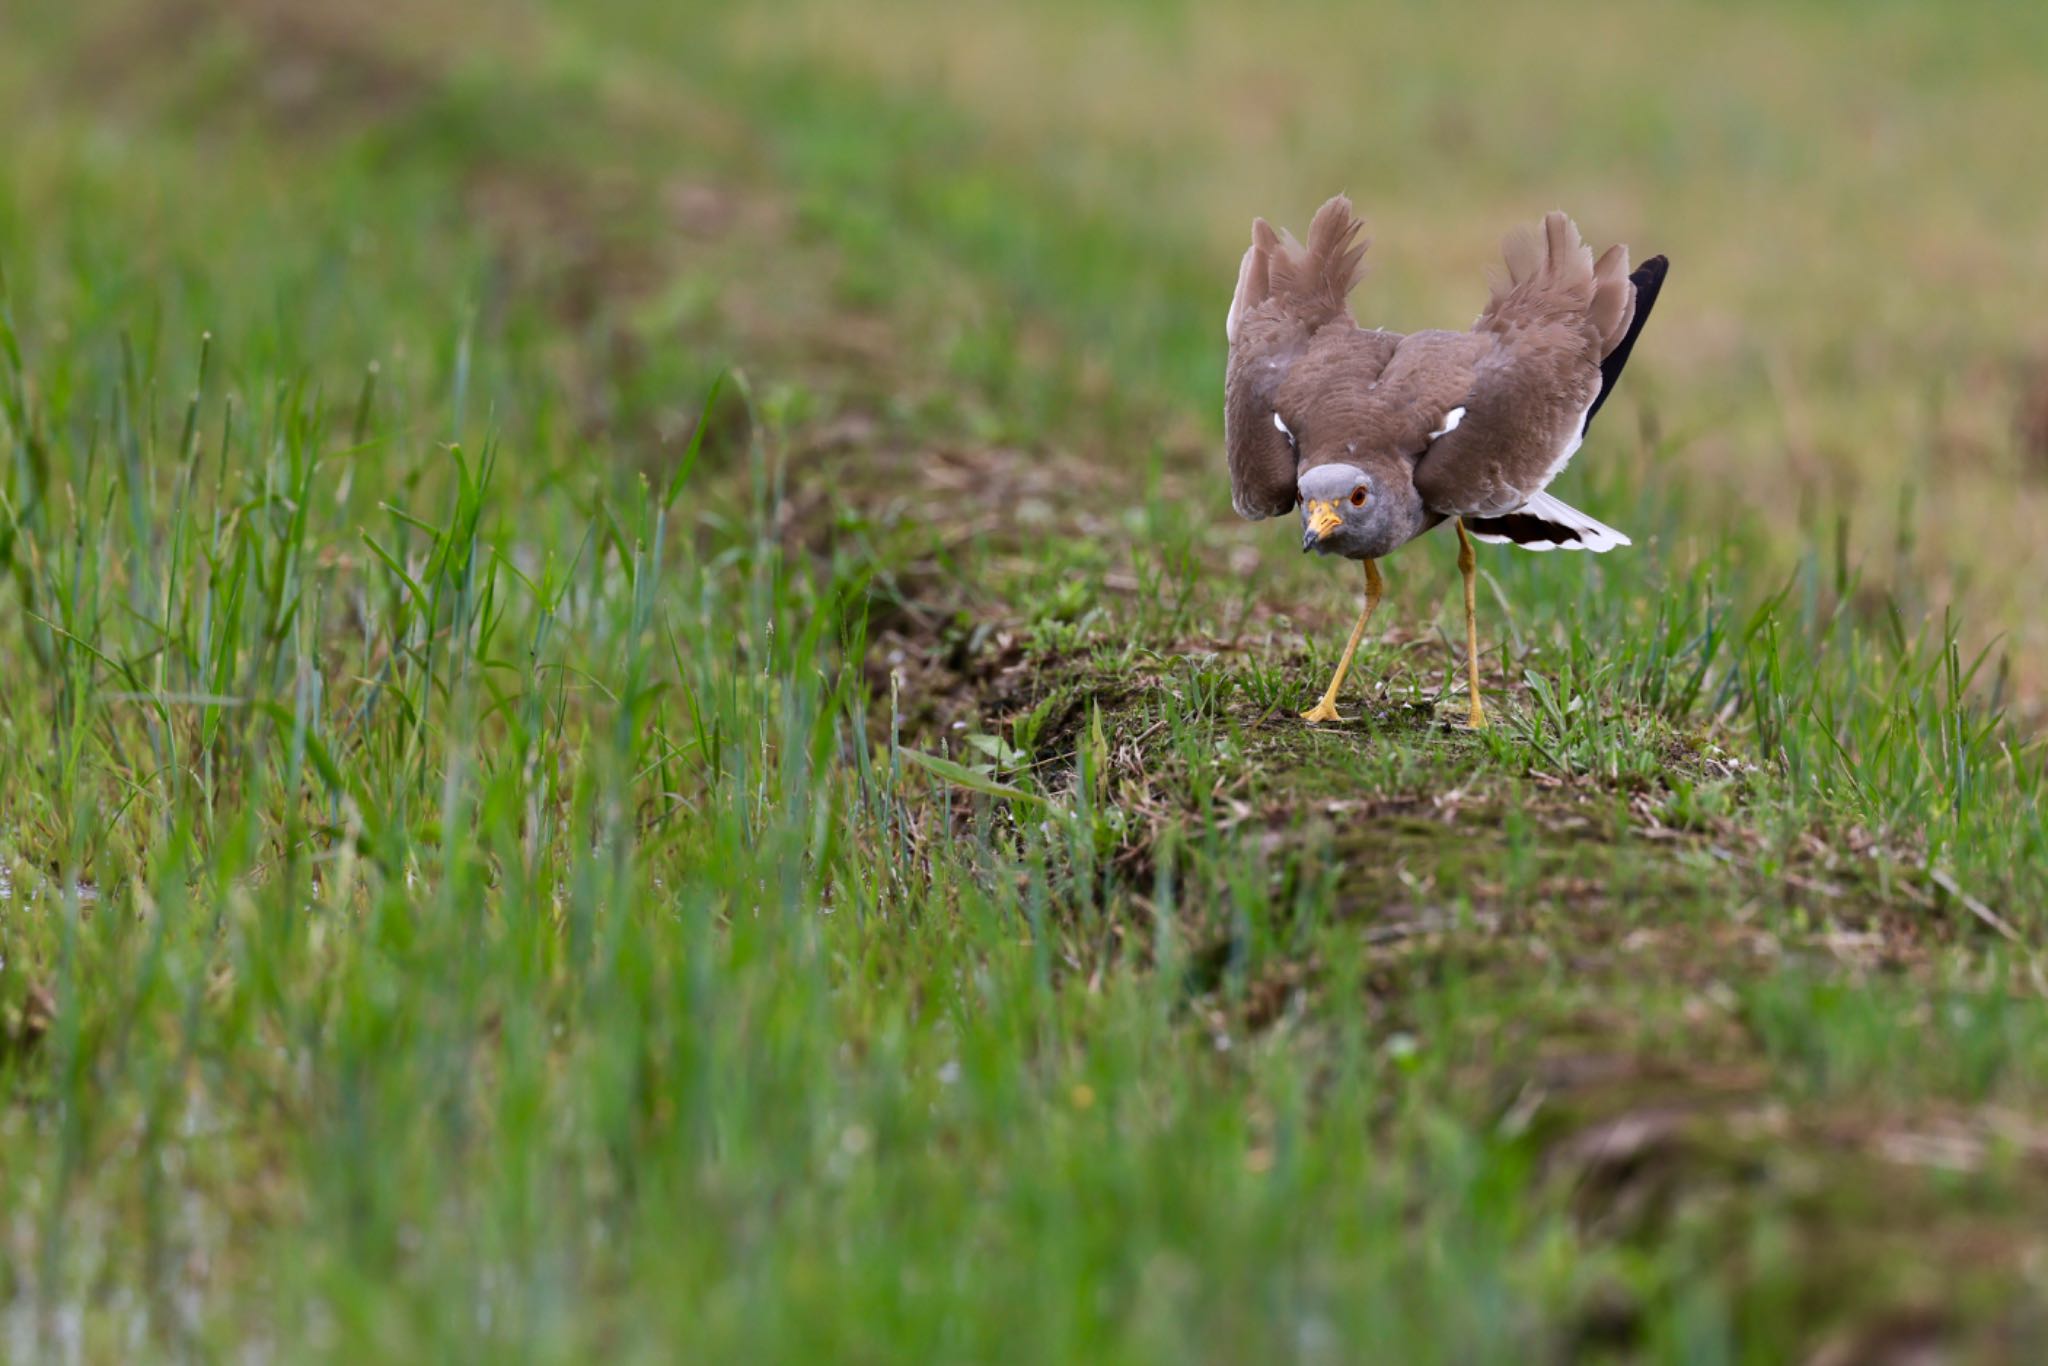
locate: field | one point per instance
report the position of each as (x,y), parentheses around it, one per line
(634,726)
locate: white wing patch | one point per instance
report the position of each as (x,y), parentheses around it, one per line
(1284,429)
(1238,302)
(1457,415)
(1571,447)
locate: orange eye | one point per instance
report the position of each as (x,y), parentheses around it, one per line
(1358,496)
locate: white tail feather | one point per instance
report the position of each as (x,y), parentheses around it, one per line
(1591,533)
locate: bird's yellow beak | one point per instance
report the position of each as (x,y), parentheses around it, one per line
(1322,520)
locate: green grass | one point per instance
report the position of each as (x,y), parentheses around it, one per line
(511,845)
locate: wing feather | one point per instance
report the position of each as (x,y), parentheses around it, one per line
(1549,324)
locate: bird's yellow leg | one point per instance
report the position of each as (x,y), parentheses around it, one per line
(1326,710)
(1469,567)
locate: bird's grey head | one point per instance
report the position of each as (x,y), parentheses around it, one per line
(1345,511)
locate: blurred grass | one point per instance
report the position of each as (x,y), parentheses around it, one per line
(463,890)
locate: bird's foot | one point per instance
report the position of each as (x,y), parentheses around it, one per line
(1476,720)
(1325,710)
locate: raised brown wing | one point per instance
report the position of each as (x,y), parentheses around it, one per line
(1546,329)
(1261,452)
(1517,428)
(1290,307)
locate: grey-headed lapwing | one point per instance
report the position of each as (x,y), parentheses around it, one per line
(1378,437)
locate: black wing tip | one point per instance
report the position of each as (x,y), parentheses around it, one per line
(1648,278)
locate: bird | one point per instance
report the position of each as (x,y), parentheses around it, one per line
(1379,438)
